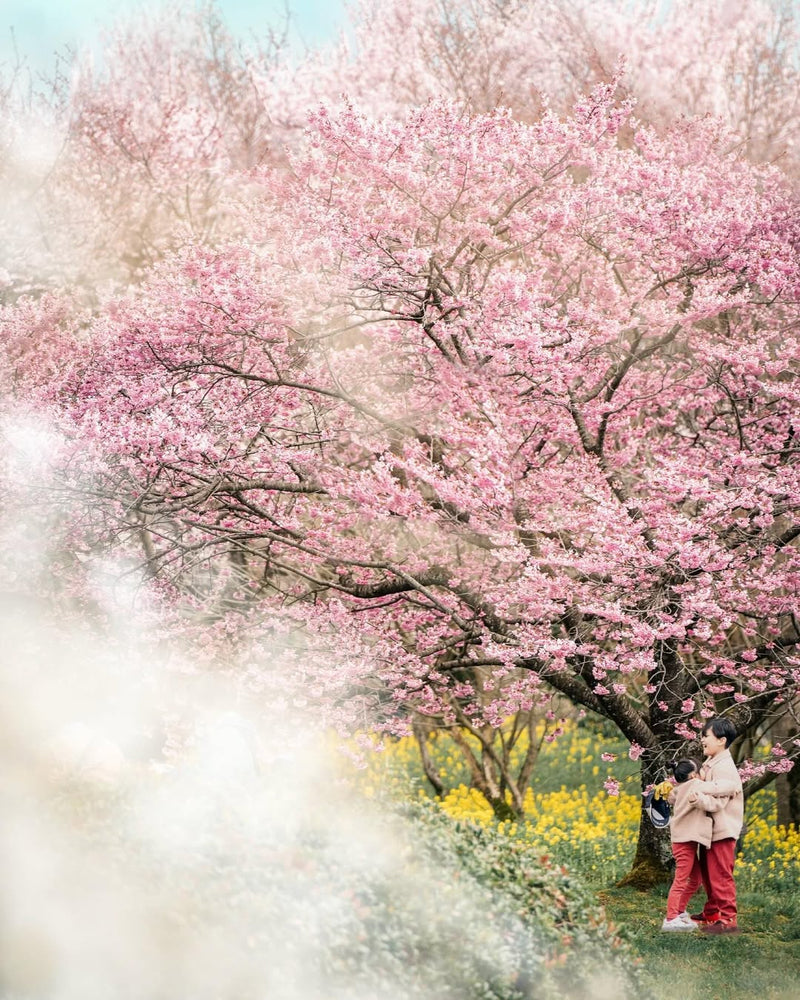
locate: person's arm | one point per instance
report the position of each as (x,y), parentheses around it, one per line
(702,800)
(726,787)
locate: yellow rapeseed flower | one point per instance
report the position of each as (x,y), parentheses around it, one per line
(578,825)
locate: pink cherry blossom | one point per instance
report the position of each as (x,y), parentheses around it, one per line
(464,394)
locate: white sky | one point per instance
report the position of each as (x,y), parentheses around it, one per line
(40,28)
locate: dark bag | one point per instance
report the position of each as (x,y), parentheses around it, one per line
(657,809)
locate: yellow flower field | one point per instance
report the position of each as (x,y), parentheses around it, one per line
(568,815)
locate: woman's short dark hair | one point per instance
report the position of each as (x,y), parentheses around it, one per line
(683,768)
(722,729)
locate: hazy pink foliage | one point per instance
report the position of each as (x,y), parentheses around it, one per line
(488,400)
(736,59)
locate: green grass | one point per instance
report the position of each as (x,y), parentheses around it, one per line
(761,963)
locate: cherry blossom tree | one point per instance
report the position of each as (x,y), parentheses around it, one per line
(111,165)
(494,409)
(489,405)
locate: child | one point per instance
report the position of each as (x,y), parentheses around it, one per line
(691,826)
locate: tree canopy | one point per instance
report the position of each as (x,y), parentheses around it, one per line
(495,401)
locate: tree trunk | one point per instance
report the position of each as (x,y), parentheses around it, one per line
(422,732)
(653,861)
(788,789)
(787,786)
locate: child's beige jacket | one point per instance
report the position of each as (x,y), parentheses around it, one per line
(691,808)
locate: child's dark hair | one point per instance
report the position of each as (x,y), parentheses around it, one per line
(683,768)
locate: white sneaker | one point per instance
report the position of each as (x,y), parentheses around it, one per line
(691,924)
(678,924)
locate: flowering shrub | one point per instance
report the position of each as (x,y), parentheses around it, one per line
(408,904)
(579,952)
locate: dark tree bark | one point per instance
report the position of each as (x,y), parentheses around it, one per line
(653,861)
(787,786)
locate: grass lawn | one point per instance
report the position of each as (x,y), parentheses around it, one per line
(761,963)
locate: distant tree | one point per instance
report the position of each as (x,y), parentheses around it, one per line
(107,168)
(738,60)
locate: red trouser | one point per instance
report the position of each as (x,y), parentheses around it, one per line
(687,877)
(716,870)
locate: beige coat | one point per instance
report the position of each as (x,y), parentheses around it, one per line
(720,778)
(691,809)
